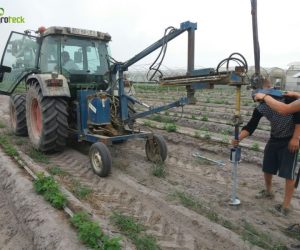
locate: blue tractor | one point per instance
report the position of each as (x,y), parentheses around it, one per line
(63,81)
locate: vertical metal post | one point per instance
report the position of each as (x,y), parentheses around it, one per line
(190,65)
(236,151)
(256,78)
(255,37)
(123,102)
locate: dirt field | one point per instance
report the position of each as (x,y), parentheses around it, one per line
(185,206)
(26,220)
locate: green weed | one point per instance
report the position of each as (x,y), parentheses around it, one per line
(147,123)
(190,202)
(197,134)
(134,231)
(219,102)
(56,170)
(159,170)
(156,117)
(92,235)
(79,190)
(254,237)
(8,148)
(48,187)
(160,118)
(2,125)
(295,235)
(20,141)
(207,135)
(38,156)
(255,146)
(170,127)
(204,118)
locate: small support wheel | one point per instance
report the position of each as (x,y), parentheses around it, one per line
(156,149)
(100,159)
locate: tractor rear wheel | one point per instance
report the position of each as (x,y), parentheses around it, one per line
(47,120)
(17,112)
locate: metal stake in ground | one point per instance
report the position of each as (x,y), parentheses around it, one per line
(235,154)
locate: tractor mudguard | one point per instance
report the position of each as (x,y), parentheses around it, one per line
(50,89)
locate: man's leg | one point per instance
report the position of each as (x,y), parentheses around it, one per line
(289,190)
(268,181)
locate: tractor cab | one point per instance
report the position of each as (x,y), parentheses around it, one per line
(81,56)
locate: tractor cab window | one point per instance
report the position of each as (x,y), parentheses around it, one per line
(83,57)
(21,56)
(49,59)
(21,52)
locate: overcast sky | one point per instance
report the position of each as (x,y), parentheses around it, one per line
(224,26)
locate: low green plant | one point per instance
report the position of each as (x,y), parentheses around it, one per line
(20,141)
(193,117)
(170,127)
(147,123)
(79,190)
(38,156)
(2,125)
(160,118)
(225,138)
(156,117)
(197,134)
(159,170)
(8,148)
(91,234)
(219,102)
(48,187)
(134,231)
(56,170)
(255,146)
(294,235)
(207,135)
(204,118)
(186,200)
(255,237)
(192,203)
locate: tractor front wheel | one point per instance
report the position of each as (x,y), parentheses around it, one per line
(100,159)
(47,120)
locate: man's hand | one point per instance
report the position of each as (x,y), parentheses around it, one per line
(293,145)
(259,97)
(235,142)
(291,94)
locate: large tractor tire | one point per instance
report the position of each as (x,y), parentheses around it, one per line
(47,120)
(17,112)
